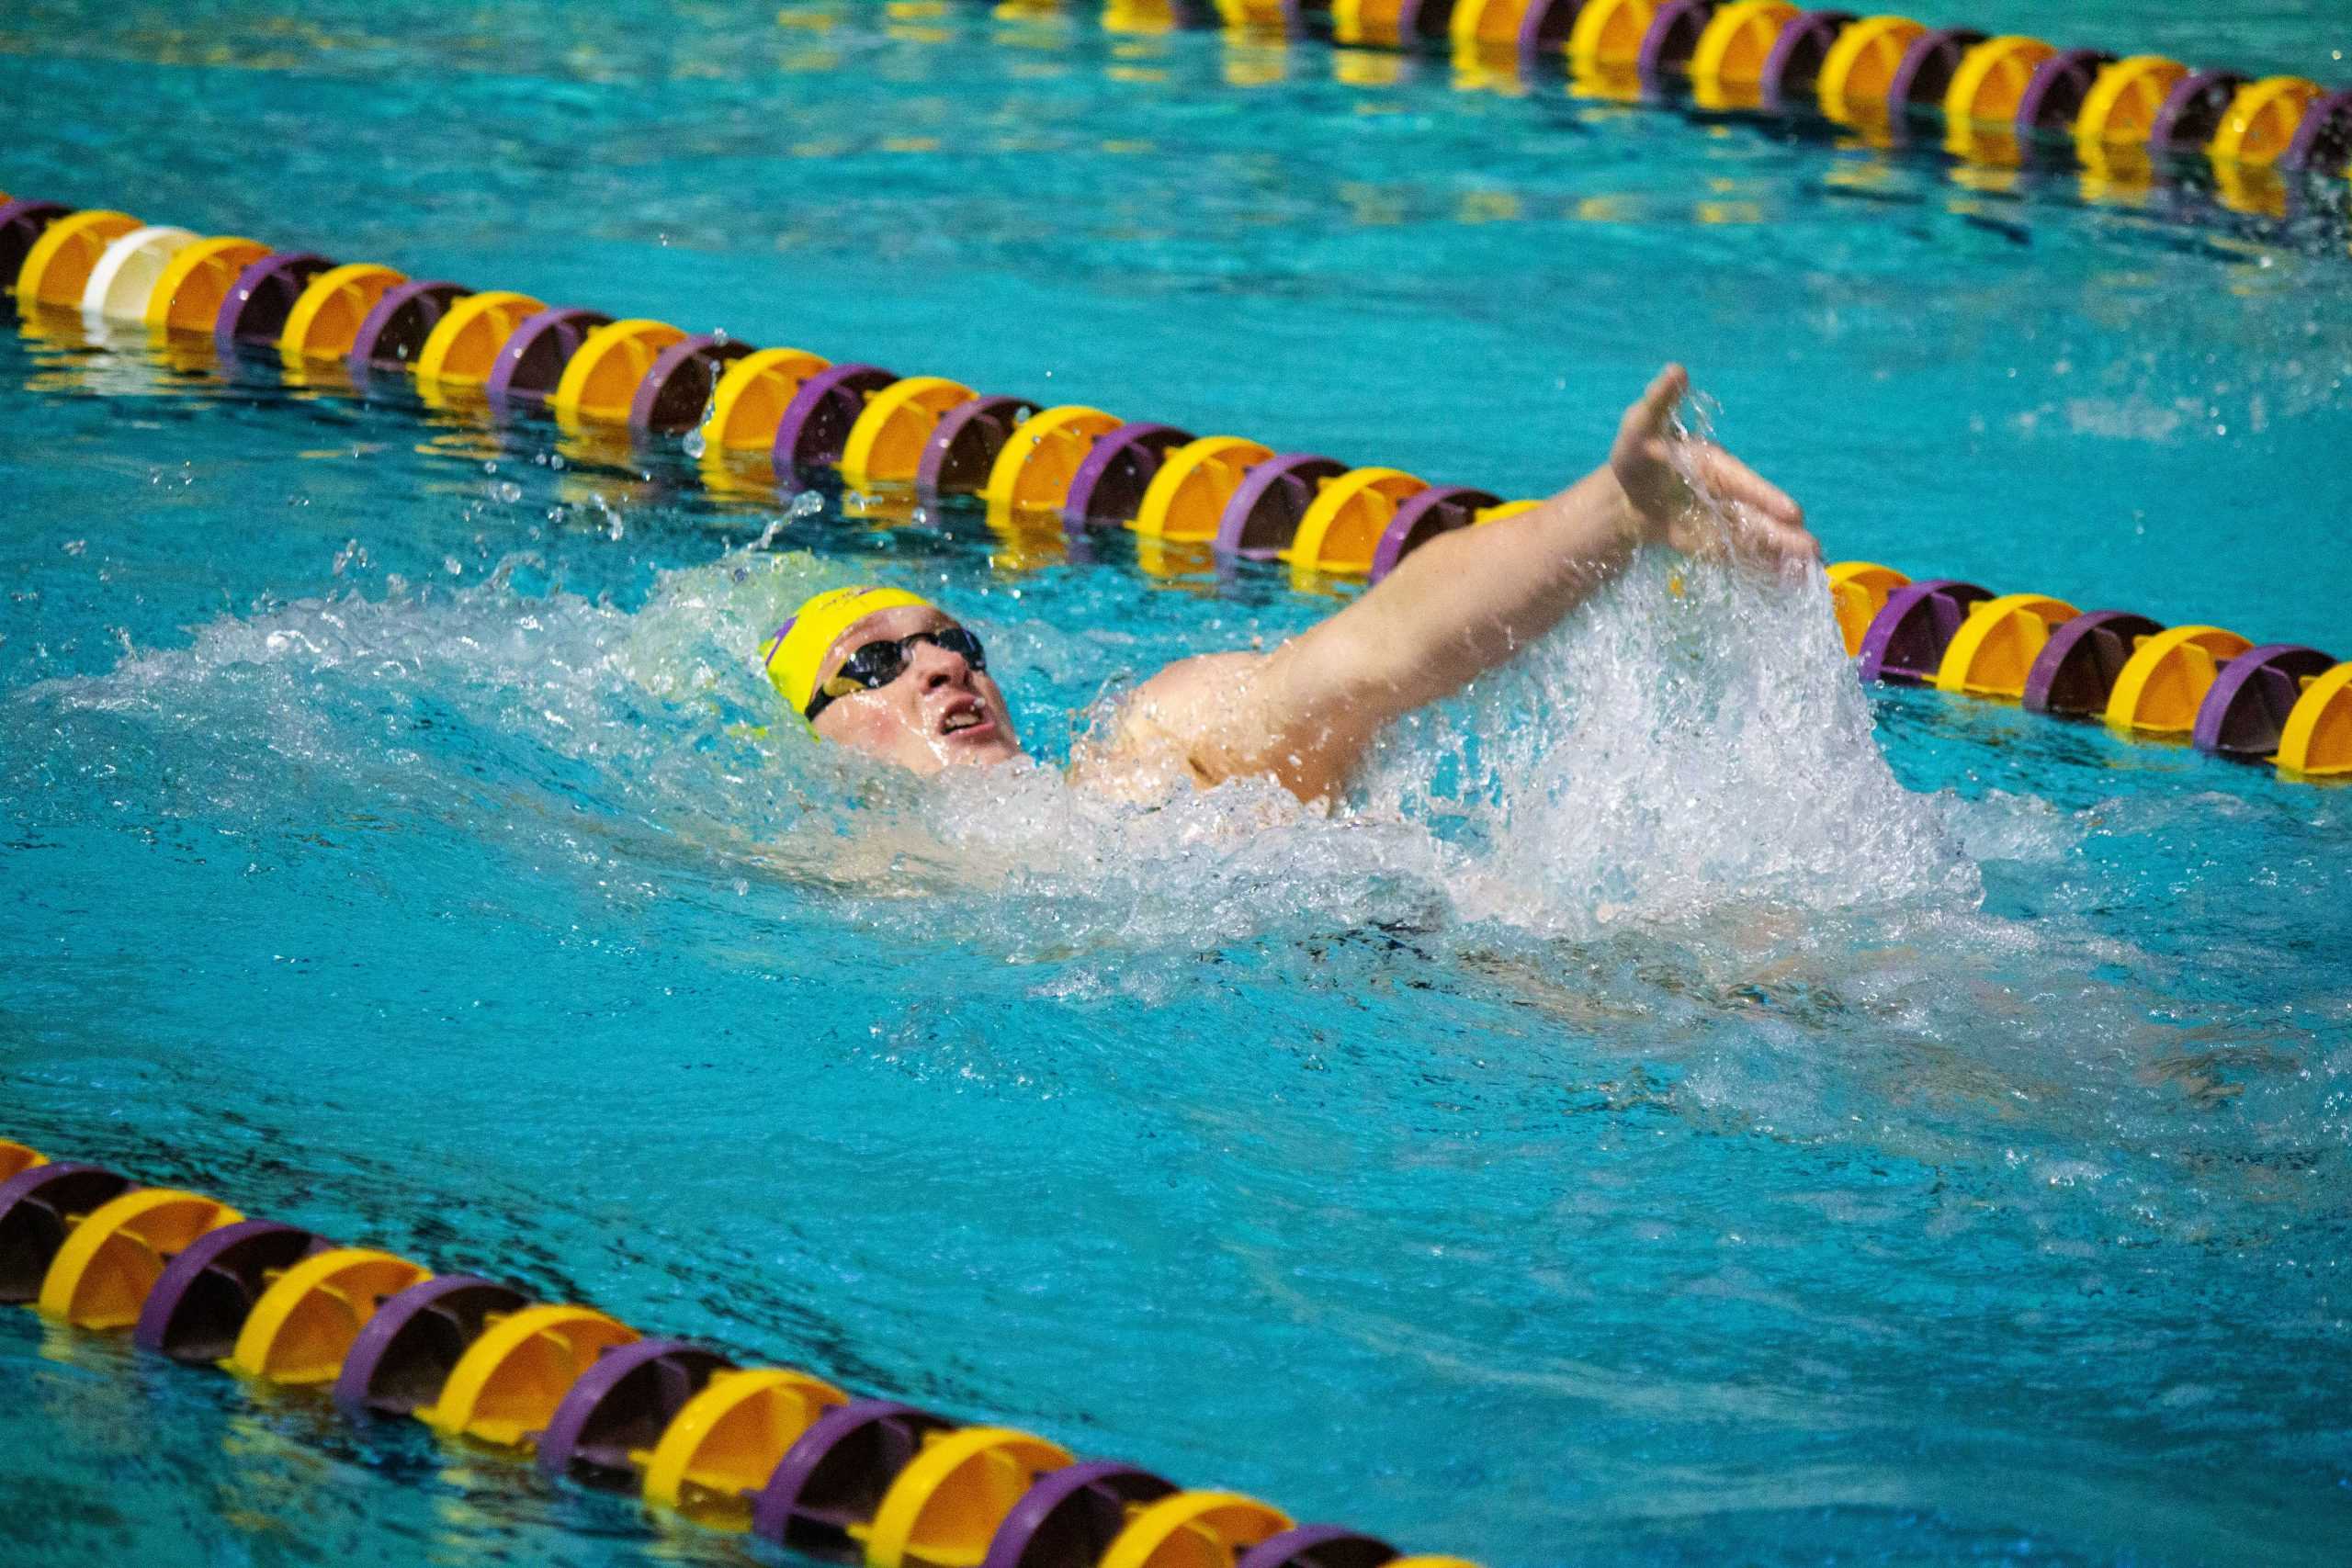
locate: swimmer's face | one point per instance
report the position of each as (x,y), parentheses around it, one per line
(939,711)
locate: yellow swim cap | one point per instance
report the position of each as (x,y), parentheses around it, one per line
(796,652)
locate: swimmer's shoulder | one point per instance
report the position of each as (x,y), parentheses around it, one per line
(1170,730)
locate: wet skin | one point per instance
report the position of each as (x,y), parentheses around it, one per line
(1303,714)
(939,711)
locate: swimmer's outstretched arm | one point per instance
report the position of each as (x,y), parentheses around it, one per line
(1460,605)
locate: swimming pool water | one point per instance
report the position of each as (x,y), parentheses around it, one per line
(1727,1115)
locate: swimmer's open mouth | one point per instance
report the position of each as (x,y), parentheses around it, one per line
(967,718)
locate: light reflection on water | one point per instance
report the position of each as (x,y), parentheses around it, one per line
(1673,1133)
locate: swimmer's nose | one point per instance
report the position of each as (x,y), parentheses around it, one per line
(937,667)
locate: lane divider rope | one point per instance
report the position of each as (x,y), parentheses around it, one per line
(2278,703)
(761,420)
(2000,101)
(779,1452)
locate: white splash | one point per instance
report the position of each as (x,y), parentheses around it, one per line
(1694,741)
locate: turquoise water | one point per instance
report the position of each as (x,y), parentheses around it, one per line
(1686,1108)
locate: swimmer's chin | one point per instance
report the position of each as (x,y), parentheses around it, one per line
(988,754)
(983,746)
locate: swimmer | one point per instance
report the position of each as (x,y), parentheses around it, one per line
(891,674)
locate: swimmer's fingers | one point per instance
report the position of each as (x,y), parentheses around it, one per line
(1766,522)
(1740,511)
(1729,480)
(1642,457)
(1652,414)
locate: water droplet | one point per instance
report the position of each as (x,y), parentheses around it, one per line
(694,444)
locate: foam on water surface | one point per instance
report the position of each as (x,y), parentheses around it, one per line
(1680,1105)
(1694,744)
(1671,811)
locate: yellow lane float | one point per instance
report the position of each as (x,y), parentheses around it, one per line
(945,1507)
(2120,111)
(464,344)
(2317,741)
(302,1325)
(2161,686)
(1857,591)
(1187,496)
(1039,459)
(1995,648)
(2260,123)
(1604,47)
(325,319)
(1859,70)
(58,264)
(725,1442)
(1728,65)
(509,1381)
(600,381)
(1366,22)
(1341,528)
(1195,1529)
(100,1278)
(1486,27)
(886,443)
(1991,82)
(188,295)
(748,401)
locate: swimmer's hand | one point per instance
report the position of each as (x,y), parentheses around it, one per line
(1461,604)
(1740,513)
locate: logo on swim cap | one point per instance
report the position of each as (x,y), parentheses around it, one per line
(796,652)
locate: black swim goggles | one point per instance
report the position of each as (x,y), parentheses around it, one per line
(873,665)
